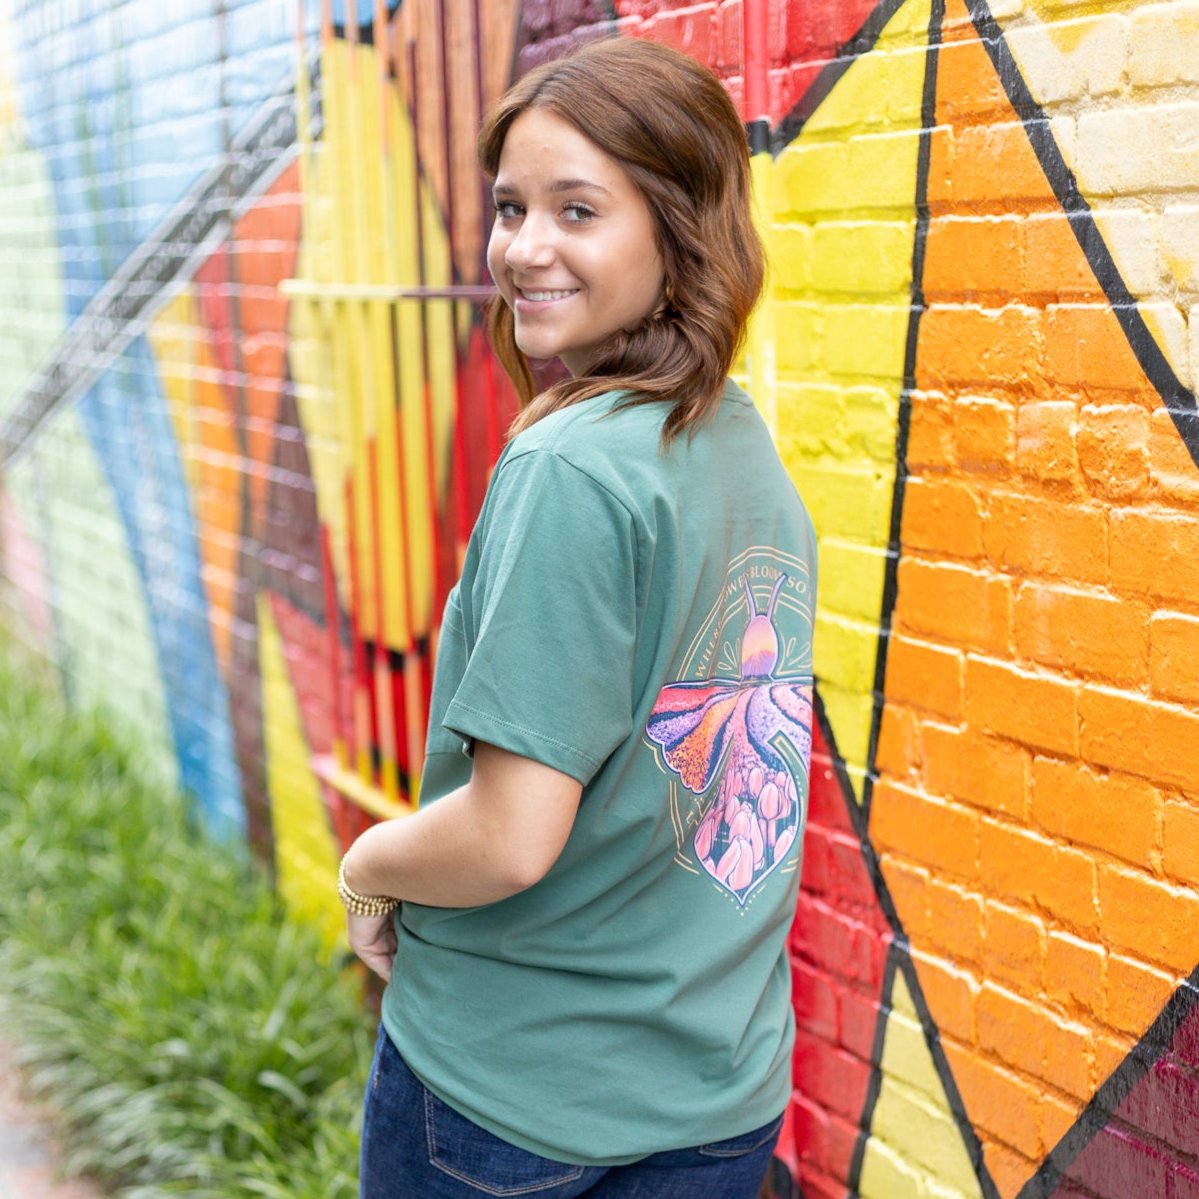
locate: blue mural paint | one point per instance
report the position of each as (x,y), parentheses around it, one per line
(128,423)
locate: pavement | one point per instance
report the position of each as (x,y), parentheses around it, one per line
(29,1154)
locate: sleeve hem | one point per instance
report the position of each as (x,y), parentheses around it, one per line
(472,724)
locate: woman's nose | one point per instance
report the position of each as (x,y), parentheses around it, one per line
(532,246)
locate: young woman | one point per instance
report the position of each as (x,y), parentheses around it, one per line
(584,926)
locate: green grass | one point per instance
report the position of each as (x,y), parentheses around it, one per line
(190,1033)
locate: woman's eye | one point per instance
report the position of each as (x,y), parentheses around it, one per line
(506,210)
(577,214)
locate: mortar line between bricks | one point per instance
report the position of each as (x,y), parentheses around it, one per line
(1178,400)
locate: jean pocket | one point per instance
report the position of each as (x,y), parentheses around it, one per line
(747,1142)
(489,1164)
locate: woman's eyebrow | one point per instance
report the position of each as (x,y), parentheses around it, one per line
(503,188)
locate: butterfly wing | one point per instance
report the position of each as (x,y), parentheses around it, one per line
(691,722)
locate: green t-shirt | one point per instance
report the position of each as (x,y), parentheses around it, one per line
(641,621)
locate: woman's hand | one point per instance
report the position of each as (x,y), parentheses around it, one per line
(373,939)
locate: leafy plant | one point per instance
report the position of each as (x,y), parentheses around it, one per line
(191,1033)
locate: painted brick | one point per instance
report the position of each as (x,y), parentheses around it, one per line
(967,345)
(1149,918)
(1116,1165)
(931,432)
(1112,444)
(974,259)
(1041,537)
(951,991)
(955,921)
(1014,945)
(1045,445)
(1090,634)
(1054,264)
(897,750)
(942,515)
(963,607)
(925,676)
(963,90)
(1173,655)
(1180,244)
(1095,65)
(1166,738)
(1021,866)
(1074,972)
(1007,1103)
(1180,842)
(984,435)
(862,257)
(1037,709)
(1132,989)
(927,831)
(1155,553)
(973,178)
(1086,350)
(1135,148)
(1118,813)
(688,29)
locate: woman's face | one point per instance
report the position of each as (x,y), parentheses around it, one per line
(572,250)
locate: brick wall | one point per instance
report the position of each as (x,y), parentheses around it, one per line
(979,360)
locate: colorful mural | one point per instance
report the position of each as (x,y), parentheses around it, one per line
(247,417)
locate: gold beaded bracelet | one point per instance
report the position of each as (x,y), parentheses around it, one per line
(362,905)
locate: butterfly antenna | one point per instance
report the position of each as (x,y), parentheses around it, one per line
(774,595)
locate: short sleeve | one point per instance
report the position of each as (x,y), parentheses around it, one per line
(551,619)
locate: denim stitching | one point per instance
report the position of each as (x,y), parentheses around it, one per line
(431,1140)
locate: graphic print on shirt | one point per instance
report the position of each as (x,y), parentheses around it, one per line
(736,729)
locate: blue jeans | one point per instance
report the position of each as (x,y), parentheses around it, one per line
(416,1147)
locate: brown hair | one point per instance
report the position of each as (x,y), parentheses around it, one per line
(672,127)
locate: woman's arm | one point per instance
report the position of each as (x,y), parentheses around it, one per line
(490,839)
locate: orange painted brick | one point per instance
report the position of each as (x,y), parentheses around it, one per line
(908,885)
(1155,553)
(955,921)
(984,432)
(1156,740)
(1054,264)
(1180,841)
(1000,1102)
(1034,1040)
(1116,812)
(1134,990)
(962,89)
(994,166)
(974,259)
(1153,919)
(1014,945)
(1045,445)
(1171,467)
(1009,1169)
(1036,709)
(1111,1051)
(994,773)
(950,993)
(1113,449)
(962,346)
(1074,972)
(924,829)
(1174,656)
(944,515)
(930,431)
(1017,864)
(1085,632)
(941,758)
(898,739)
(927,677)
(946,602)
(1085,348)
(1047,537)
(1058,1116)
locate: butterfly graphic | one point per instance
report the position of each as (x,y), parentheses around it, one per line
(737,733)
